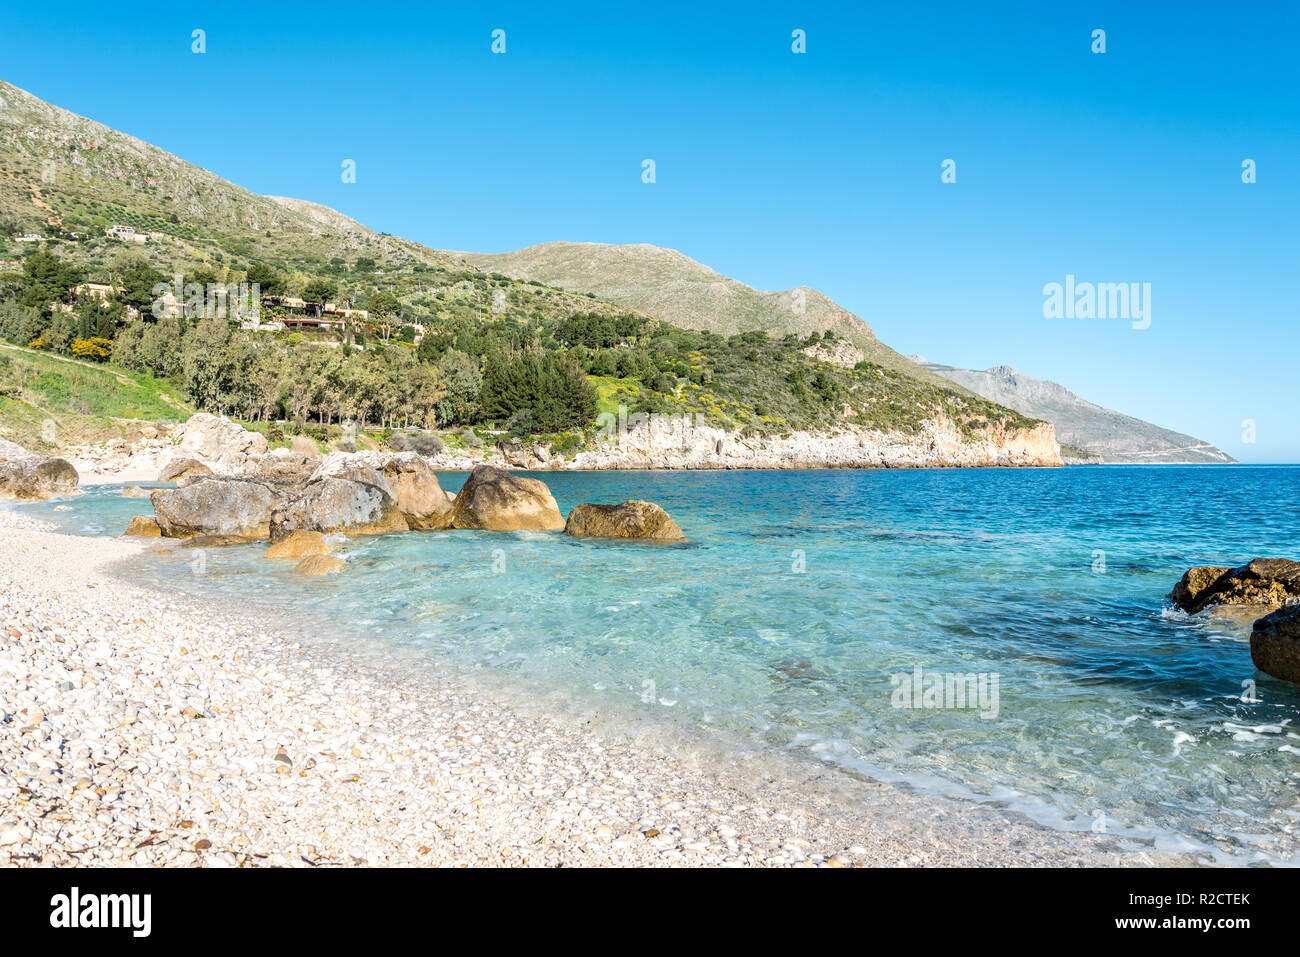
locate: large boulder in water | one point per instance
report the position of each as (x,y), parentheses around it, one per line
(407,477)
(1275,644)
(27,475)
(232,509)
(358,505)
(495,500)
(419,495)
(1267,582)
(640,520)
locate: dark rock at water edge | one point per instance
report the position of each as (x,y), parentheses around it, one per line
(1275,644)
(1268,582)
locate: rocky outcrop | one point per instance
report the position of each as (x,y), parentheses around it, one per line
(299,544)
(216,438)
(29,476)
(838,352)
(522,455)
(495,500)
(1275,644)
(230,509)
(203,445)
(640,520)
(182,468)
(136,457)
(143,526)
(356,504)
(1266,582)
(135,491)
(661,442)
(1101,432)
(318,566)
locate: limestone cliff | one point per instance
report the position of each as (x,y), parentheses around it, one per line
(938,444)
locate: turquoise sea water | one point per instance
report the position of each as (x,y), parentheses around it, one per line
(779,626)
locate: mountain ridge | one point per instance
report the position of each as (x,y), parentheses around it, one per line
(667,283)
(1114,436)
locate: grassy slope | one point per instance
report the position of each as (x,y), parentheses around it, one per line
(85,402)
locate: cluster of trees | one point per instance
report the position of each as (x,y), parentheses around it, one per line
(468,373)
(596,330)
(64,331)
(553,391)
(257,377)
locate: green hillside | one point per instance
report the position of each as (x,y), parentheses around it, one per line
(673,287)
(447,344)
(61,174)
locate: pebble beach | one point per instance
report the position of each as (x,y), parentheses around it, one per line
(145,728)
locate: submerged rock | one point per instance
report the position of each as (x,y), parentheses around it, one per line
(795,669)
(143,526)
(135,491)
(27,475)
(495,500)
(226,508)
(318,566)
(1267,582)
(636,519)
(1275,644)
(300,543)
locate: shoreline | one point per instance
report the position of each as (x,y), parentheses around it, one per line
(148,727)
(150,477)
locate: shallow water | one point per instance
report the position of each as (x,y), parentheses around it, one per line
(800,594)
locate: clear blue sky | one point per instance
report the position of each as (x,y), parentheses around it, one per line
(821,169)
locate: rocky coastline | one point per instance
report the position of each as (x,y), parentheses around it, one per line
(160,452)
